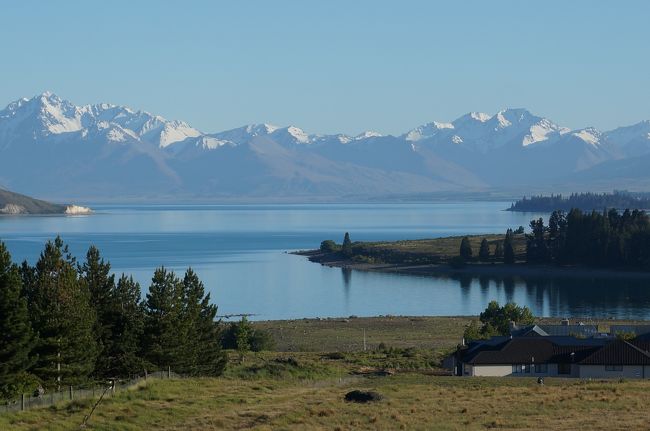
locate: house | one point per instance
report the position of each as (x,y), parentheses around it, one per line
(555,356)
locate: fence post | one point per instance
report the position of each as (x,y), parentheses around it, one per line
(71,394)
(145,374)
(22,402)
(169,372)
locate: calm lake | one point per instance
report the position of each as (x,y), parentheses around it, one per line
(239,251)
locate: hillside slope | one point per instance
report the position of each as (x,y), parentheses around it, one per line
(14,203)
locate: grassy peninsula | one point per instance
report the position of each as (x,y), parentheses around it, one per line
(612,243)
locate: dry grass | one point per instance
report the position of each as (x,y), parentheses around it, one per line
(270,392)
(414,402)
(448,246)
(346,334)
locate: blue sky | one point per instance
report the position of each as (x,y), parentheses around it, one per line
(334,66)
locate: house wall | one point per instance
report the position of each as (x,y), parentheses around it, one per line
(492,370)
(581,371)
(506,370)
(600,372)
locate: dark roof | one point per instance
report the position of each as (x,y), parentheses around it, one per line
(534,349)
(571,330)
(618,352)
(555,330)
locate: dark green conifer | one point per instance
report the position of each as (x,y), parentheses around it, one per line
(17,339)
(59,302)
(508,248)
(101,284)
(163,339)
(465,249)
(346,247)
(127,324)
(484,251)
(203,354)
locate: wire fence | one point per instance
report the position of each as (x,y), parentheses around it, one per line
(70,393)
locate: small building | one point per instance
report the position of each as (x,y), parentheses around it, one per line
(555,356)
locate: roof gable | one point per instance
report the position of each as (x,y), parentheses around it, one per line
(618,352)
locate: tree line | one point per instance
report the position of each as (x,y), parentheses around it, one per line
(67,323)
(583,201)
(608,238)
(504,250)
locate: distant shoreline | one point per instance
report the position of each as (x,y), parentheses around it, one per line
(470,269)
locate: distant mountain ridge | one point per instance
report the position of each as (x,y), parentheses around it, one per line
(51,147)
(14,203)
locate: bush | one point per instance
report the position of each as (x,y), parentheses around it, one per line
(334,355)
(329,246)
(258,340)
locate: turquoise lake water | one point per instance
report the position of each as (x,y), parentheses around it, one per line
(239,251)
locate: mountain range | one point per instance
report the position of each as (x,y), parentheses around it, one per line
(50,147)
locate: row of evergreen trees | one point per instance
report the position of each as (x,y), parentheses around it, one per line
(64,323)
(504,251)
(608,238)
(583,201)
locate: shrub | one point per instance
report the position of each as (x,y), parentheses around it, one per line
(329,246)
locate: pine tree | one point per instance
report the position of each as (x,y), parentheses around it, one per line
(17,339)
(127,324)
(498,250)
(484,251)
(163,339)
(242,336)
(101,284)
(508,248)
(193,292)
(465,249)
(204,349)
(346,247)
(59,302)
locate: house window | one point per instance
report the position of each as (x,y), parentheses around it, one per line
(613,367)
(541,368)
(564,368)
(521,369)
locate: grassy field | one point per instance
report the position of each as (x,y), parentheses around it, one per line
(411,401)
(294,390)
(346,334)
(447,246)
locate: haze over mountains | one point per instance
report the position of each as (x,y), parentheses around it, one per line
(52,148)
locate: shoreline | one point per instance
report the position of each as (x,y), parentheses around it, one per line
(471,269)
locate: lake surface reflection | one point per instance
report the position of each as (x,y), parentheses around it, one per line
(239,251)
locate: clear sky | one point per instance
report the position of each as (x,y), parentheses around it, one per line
(334,66)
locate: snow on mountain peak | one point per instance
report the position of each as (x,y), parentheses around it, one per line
(502,121)
(261,129)
(298,134)
(368,134)
(590,135)
(480,116)
(426,131)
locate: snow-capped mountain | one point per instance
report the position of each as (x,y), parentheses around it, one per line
(482,132)
(48,114)
(53,148)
